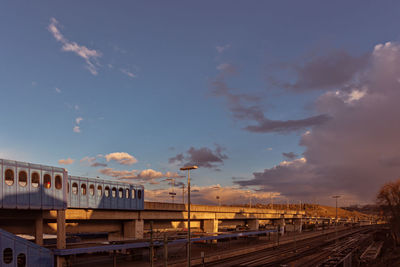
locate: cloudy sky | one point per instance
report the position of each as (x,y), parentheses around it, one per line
(289,99)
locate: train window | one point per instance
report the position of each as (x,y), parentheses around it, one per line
(114,192)
(58,182)
(75,188)
(7,255)
(133,193)
(99,190)
(91,190)
(35,179)
(139,194)
(47,181)
(21,260)
(127,193)
(9,177)
(67,187)
(120,193)
(22,178)
(107,191)
(83,189)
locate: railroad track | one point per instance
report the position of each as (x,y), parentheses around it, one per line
(342,252)
(308,252)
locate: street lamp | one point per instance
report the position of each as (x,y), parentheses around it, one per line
(172,193)
(336,198)
(219,192)
(272,200)
(248,191)
(188,168)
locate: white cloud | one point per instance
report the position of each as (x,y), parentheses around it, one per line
(127,72)
(147,176)
(88,159)
(150,174)
(348,97)
(89,55)
(76,129)
(58,90)
(67,161)
(121,157)
(225,67)
(221,49)
(355,95)
(124,174)
(78,120)
(76,107)
(293,162)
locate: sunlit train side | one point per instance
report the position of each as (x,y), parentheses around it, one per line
(94,193)
(39,187)
(32,186)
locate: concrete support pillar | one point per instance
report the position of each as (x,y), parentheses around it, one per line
(61,237)
(298,225)
(39,229)
(133,229)
(253,224)
(210,226)
(282,226)
(60,261)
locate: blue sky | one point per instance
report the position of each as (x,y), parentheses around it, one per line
(139,77)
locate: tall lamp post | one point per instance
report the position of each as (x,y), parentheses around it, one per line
(188,168)
(336,217)
(218,196)
(172,193)
(219,200)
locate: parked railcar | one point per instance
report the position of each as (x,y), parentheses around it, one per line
(32,186)
(18,252)
(95,193)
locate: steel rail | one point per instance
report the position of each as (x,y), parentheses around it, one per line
(305,247)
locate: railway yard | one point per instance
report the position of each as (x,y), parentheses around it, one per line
(309,248)
(319,250)
(83,221)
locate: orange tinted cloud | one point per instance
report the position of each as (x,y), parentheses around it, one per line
(121,157)
(67,161)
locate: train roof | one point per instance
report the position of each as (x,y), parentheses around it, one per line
(30,165)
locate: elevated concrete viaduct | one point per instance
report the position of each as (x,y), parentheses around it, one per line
(128,225)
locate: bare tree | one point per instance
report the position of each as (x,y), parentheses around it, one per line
(388,200)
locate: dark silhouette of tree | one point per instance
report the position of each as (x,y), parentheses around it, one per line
(388,200)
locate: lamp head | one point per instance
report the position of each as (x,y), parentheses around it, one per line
(186,168)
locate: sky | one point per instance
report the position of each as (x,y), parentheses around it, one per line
(284,100)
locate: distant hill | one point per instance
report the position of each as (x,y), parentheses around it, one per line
(366,209)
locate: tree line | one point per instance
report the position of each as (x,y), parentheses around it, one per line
(388,199)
